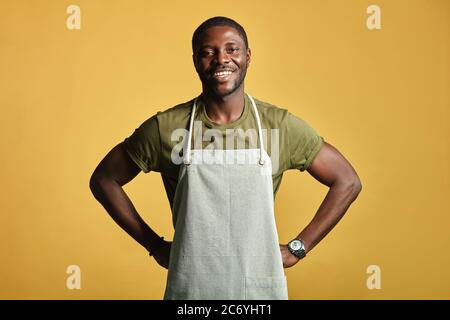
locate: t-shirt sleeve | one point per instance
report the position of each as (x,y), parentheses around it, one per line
(304,143)
(144,145)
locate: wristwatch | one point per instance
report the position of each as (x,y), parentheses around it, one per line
(297,248)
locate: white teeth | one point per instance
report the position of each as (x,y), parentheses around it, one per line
(222,73)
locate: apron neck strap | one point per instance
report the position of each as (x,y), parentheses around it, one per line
(258,121)
(187,155)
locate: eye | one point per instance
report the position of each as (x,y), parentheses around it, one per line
(232,50)
(207,53)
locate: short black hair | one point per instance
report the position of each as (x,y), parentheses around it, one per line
(215,22)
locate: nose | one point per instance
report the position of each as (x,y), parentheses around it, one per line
(222,57)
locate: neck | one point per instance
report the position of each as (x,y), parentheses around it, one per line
(224,110)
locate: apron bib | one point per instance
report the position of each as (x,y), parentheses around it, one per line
(225,244)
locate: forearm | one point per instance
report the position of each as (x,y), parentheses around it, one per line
(118,205)
(337,201)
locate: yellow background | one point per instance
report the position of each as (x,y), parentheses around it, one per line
(381,97)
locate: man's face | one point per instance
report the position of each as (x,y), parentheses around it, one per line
(221,60)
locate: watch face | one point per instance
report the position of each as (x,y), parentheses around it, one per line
(296,245)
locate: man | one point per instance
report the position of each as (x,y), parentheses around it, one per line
(221,194)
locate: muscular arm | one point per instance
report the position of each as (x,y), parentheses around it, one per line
(114,171)
(331,169)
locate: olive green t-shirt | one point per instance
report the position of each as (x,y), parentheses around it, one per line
(289,141)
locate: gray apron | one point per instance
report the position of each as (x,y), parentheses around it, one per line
(225,244)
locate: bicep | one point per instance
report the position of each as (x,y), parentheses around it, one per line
(117,165)
(329,165)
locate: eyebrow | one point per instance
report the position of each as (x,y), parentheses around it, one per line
(209,46)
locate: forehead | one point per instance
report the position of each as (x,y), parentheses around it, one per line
(220,35)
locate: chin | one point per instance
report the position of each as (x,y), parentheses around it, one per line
(223,91)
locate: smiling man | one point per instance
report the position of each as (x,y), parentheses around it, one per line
(221,157)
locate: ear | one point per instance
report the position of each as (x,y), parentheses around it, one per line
(195,62)
(249,55)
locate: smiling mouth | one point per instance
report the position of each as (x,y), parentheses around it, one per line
(222,75)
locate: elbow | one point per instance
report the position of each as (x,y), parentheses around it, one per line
(351,185)
(355,186)
(95,185)
(99,183)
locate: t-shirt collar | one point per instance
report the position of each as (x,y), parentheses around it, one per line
(210,124)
